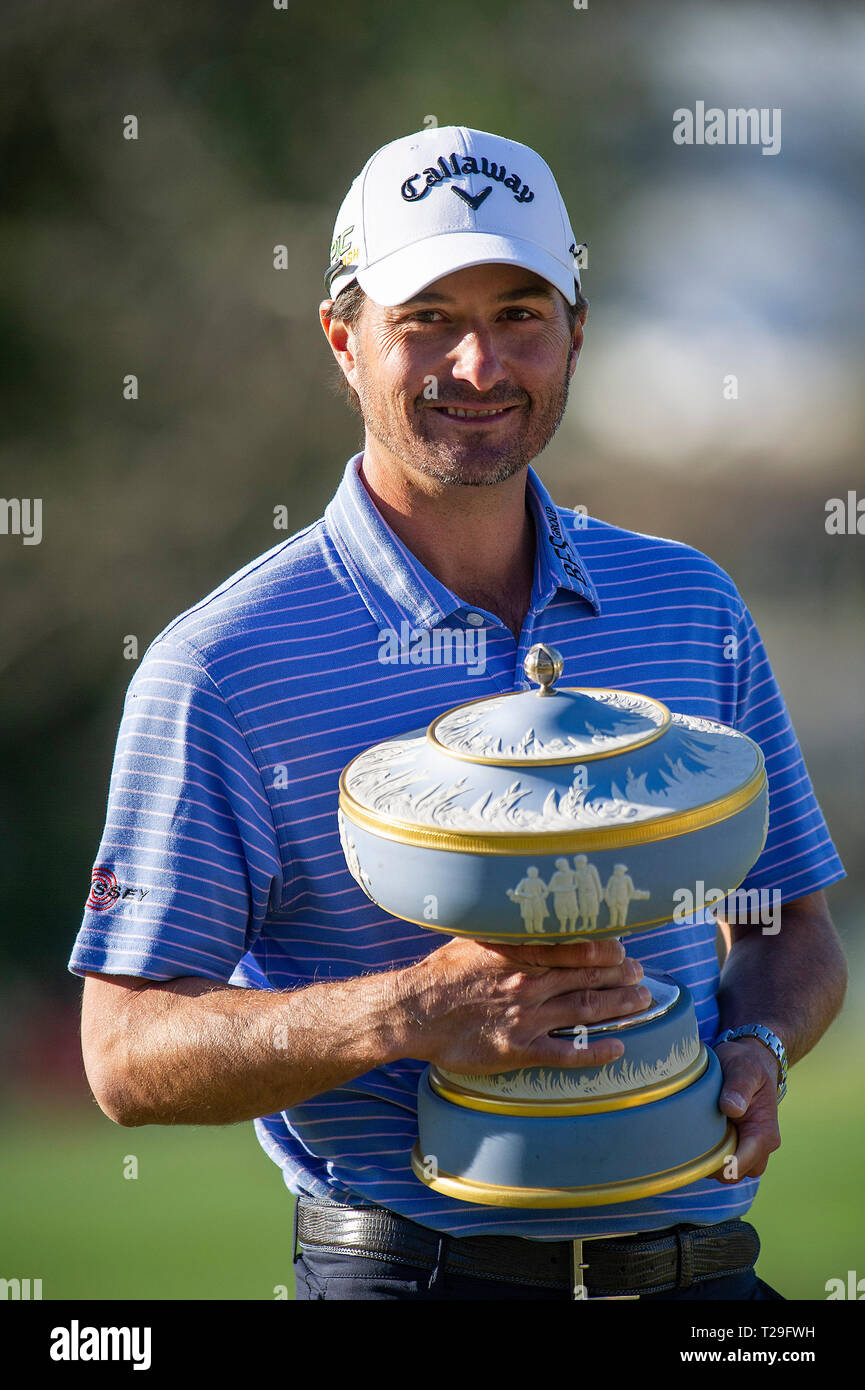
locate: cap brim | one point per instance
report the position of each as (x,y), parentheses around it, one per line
(406,272)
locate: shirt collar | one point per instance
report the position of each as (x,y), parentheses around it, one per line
(395,586)
(558,564)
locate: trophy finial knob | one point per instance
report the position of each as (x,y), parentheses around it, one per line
(544,665)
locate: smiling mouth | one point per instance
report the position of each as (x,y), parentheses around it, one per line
(458,412)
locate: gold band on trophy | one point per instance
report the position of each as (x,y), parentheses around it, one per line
(568,842)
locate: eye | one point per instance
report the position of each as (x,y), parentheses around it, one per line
(424,316)
(517,310)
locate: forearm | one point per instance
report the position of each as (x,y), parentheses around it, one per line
(189,1051)
(793,982)
(193,1052)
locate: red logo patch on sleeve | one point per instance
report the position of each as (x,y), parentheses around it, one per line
(104,890)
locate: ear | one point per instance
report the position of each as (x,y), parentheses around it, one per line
(340,337)
(577,342)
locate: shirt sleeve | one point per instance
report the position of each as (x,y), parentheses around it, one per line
(799,856)
(189,861)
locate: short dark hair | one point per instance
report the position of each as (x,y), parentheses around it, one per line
(348,307)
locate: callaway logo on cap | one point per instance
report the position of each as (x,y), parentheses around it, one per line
(447,198)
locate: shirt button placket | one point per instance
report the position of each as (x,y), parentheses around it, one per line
(527,640)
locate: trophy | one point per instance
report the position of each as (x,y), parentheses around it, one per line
(555,815)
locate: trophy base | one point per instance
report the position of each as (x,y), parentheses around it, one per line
(528,1155)
(631,1190)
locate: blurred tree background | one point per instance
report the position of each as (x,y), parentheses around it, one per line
(154,257)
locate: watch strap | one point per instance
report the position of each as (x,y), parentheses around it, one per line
(771,1040)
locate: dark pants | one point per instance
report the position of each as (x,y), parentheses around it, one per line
(320,1275)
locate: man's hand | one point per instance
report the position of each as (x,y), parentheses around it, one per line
(475,1007)
(749,1098)
(793,982)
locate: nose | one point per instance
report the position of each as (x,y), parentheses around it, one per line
(474,359)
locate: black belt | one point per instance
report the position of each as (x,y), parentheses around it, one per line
(618,1266)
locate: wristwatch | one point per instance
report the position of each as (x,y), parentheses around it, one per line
(772,1041)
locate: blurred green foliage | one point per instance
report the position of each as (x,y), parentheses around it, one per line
(207,1217)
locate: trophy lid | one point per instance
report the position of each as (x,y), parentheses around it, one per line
(548,725)
(590,808)
(571,765)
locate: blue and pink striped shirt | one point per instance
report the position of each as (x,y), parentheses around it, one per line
(221,858)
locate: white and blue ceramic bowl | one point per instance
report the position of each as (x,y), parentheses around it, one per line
(553,814)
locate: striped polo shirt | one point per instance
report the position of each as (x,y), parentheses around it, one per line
(221,856)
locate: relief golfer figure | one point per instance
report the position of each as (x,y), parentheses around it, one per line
(620,893)
(531,894)
(589,891)
(563,885)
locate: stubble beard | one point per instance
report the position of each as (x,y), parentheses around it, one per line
(472,460)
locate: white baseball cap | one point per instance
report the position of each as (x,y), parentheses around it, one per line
(443,199)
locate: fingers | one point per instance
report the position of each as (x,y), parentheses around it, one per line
(749,1098)
(589,995)
(588,965)
(492,1008)
(578,1009)
(758,1138)
(593,951)
(561,983)
(588,1006)
(749,1073)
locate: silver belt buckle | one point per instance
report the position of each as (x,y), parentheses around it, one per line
(579,1291)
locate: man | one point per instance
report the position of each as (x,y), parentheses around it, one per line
(249,976)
